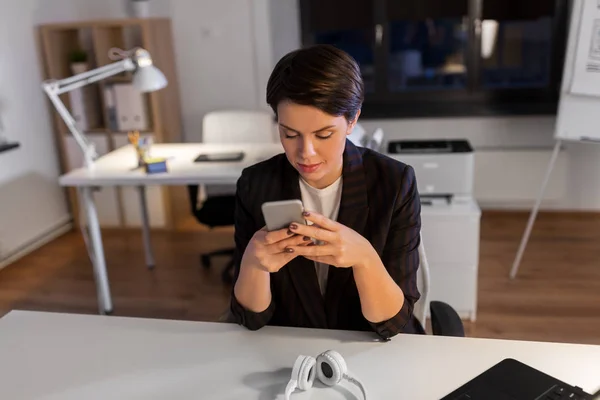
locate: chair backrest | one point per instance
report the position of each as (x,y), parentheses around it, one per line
(421,306)
(231,126)
(234,126)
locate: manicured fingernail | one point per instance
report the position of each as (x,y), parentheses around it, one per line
(290,232)
(306,238)
(293,226)
(289,250)
(306,214)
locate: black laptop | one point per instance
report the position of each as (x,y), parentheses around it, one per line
(513,380)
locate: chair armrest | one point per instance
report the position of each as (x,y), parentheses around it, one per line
(445,321)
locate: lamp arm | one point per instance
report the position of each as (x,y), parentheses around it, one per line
(54,88)
(94,76)
(87,147)
(122,65)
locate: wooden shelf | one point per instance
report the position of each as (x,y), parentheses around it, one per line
(104,23)
(96,38)
(120,79)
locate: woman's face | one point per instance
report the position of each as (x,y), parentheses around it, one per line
(314,142)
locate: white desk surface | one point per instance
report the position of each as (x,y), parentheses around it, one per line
(117,168)
(61,356)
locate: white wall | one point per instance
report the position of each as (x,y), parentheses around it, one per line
(511,154)
(217,56)
(285,27)
(32,204)
(583,177)
(73,10)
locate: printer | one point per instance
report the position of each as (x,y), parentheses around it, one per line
(444,168)
(450,217)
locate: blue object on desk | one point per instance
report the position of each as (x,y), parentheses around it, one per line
(156,166)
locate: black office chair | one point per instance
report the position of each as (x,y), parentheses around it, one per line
(215,211)
(445,320)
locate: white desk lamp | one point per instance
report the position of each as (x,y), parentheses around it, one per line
(146,78)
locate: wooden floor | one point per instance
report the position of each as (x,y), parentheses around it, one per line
(556,296)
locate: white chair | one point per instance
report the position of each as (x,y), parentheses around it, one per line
(444,319)
(238,127)
(231,126)
(421,306)
(213,205)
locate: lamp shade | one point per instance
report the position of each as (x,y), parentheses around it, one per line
(149,79)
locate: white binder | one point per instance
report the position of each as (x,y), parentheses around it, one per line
(78,109)
(131,108)
(84,108)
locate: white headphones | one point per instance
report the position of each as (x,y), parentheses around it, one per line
(330,367)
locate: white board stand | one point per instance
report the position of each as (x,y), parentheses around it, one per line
(536,208)
(578,117)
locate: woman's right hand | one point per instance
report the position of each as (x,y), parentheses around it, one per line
(266,250)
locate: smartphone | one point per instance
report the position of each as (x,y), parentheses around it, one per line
(280,214)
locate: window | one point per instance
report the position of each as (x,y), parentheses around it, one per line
(516,44)
(447,57)
(427,50)
(347,25)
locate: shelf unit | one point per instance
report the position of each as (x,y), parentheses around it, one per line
(118,207)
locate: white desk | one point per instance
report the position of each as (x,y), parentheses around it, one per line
(118,168)
(60,356)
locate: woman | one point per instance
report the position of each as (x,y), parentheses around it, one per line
(362,209)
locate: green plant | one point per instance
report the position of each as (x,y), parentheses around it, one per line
(78,56)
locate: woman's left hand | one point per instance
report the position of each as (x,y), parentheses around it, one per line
(342,247)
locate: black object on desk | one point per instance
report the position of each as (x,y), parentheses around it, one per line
(512,380)
(429,146)
(8,146)
(214,157)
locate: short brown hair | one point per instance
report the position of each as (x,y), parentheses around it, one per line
(322,76)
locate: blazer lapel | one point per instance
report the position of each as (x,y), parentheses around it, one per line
(353,213)
(302,271)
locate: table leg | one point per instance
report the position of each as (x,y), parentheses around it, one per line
(146,228)
(97,252)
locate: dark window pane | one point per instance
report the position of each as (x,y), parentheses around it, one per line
(348,25)
(429,54)
(359,44)
(516,43)
(420,10)
(427,42)
(517,9)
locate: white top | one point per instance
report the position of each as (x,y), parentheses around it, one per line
(324,201)
(48,356)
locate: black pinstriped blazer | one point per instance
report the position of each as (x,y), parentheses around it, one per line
(379,201)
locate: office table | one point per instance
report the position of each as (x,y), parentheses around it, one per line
(118,168)
(47,356)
